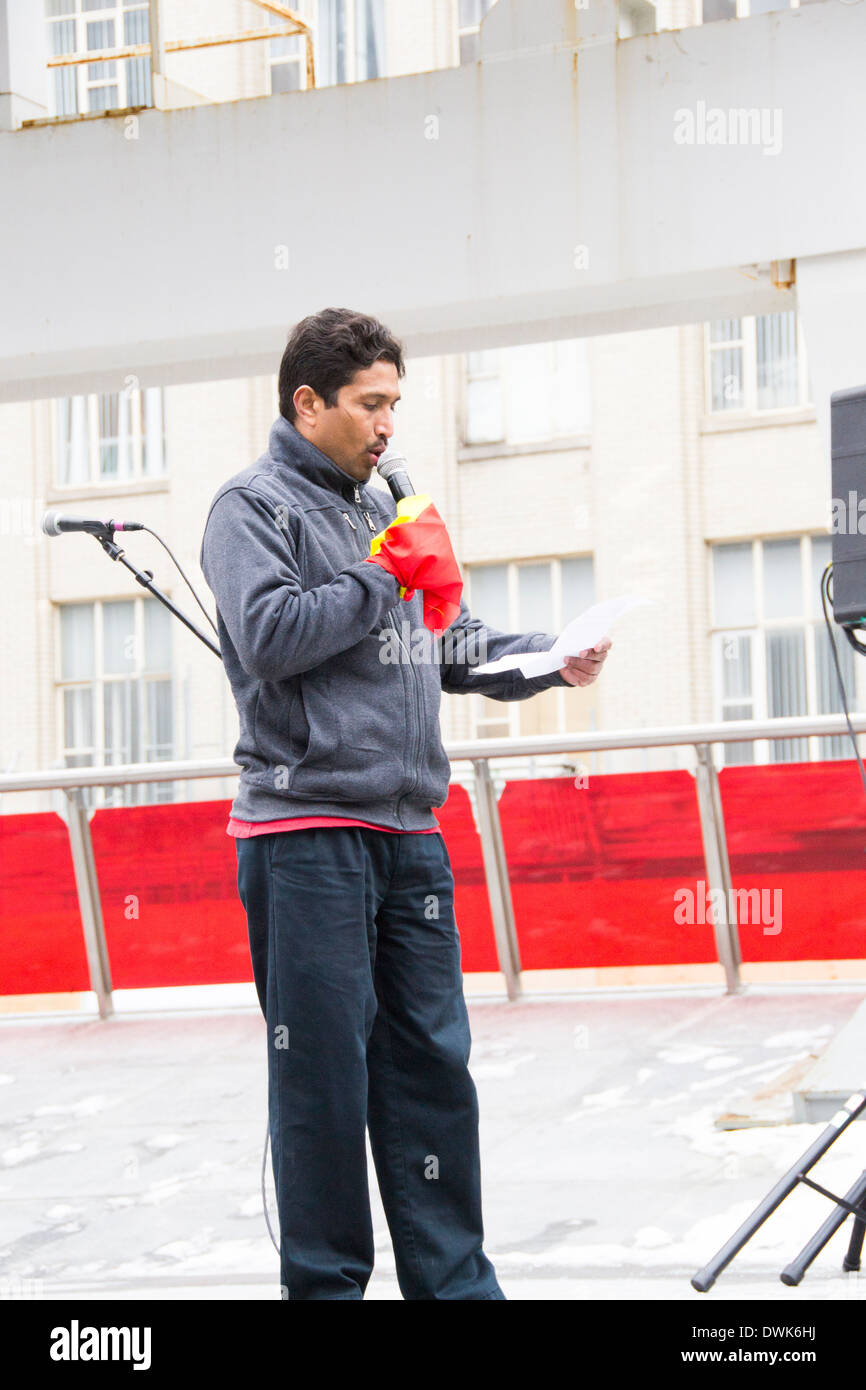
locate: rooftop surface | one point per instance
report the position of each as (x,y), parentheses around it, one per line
(131,1150)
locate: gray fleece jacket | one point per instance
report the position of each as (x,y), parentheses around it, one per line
(336,679)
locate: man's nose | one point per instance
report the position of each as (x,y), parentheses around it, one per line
(385,425)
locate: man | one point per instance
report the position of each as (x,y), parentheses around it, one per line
(342,871)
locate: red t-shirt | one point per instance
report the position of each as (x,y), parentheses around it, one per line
(243,829)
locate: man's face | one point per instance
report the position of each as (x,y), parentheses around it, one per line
(355,431)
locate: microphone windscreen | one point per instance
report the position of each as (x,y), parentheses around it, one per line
(392,461)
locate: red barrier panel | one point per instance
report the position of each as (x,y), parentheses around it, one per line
(601,875)
(168,884)
(594,869)
(799,830)
(168,879)
(471,904)
(41,942)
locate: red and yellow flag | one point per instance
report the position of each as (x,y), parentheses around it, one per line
(416,549)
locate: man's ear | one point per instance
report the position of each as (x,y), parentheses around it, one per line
(306,403)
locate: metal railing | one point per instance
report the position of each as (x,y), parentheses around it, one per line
(478,752)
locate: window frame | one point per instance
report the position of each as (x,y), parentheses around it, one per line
(107,796)
(805,622)
(114,10)
(541,441)
(308,10)
(138,443)
(511,710)
(749,341)
(462,31)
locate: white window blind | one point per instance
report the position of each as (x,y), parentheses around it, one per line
(772,654)
(526,596)
(348,40)
(756,364)
(87,26)
(527,393)
(115,691)
(113,437)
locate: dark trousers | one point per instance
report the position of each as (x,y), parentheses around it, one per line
(356,958)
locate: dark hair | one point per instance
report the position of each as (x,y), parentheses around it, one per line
(326,350)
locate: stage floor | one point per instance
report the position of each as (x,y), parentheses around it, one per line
(131,1151)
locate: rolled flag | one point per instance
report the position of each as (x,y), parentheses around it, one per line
(416,548)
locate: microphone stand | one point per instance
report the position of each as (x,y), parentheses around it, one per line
(145,579)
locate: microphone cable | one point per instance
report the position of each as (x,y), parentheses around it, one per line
(183,576)
(274,1241)
(264,1195)
(825,596)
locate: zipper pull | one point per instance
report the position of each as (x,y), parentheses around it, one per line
(357,495)
(369,521)
(350,521)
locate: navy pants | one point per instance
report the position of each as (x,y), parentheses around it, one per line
(356,958)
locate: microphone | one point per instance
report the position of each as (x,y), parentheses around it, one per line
(392,466)
(55,524)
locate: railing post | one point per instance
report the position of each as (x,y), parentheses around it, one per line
(717,866)
(89,902)
(496,875)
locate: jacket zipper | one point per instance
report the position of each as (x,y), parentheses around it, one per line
(414,680)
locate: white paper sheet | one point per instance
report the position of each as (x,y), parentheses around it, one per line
(582,632)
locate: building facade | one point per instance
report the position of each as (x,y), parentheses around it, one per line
(680,464)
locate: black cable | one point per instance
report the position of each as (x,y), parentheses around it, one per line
(825,594)
(264,1197)
(186,581)
(274,1242)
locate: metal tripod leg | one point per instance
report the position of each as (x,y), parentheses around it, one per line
(793,1273)
(854,1106)
(851,1261)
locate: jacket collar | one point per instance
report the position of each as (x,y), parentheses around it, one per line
(289,447)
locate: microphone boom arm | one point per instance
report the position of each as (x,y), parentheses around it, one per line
(145,579)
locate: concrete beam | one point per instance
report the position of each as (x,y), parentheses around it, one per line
(549,190)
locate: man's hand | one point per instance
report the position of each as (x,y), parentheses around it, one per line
(416,549)
(584,668)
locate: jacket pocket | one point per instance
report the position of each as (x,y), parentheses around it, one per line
(314,733)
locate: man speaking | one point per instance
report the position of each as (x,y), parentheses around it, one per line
(339,853)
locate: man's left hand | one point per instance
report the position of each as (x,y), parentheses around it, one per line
(583,669)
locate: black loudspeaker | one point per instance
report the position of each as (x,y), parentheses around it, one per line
(848,455)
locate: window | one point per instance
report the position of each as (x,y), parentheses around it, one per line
(745,8)
(112,438)
(349,44)
(115,691)
(469,16)
(756,364)
(741,9)
(529,393)
(772,654)
(82,26)
(529,596)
